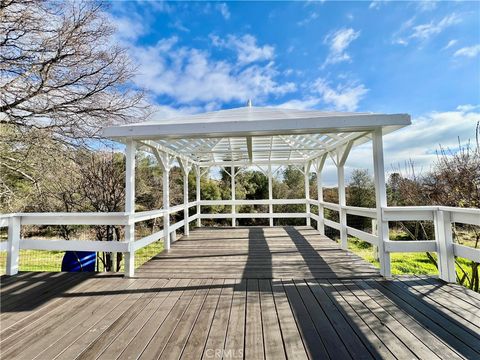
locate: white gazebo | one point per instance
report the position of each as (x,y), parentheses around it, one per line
(265,137)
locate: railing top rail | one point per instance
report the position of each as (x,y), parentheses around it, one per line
(65,214)
(433,208)
(460,209)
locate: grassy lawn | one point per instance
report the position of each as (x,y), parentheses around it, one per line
(38,260)
(401,263)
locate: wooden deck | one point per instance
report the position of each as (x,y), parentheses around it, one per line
(257,253)
(253,293)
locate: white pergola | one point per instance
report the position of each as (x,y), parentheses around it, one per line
(264,137)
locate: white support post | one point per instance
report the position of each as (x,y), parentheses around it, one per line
(165,161)
(270,194)
(186,167)
(186,226)
(232,175)
(166,207)
(198,175)
(375,232)
(381,201)
(307,191)
(13,245)
(443,236)
(319,167)
(342,155)
(129,267)
(342,202)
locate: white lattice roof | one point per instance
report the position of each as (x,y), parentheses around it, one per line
(258,135)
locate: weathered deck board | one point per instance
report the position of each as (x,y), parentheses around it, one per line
(257,253)
(258,293)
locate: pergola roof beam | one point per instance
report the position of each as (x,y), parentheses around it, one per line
(156,146)
(256,135)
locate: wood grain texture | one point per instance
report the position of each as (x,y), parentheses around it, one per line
(243,293)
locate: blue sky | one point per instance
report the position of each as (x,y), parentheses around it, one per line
(421,58)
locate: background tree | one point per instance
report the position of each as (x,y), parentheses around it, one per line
(62,78)
(360,192)
(453,181)
(59,69)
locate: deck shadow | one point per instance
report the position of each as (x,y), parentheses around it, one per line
(32,294)
(454,332)
(311,256)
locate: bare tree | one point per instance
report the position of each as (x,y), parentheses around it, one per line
(453,181)
(60,71)
(62,78)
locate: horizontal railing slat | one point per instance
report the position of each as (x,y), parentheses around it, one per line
(362,235)
(332,224)
(74,245)
(75,219)
(253,202)
(147,240)
(410,246)
(361,211)
(148,215)
(466,218)
(331,206)
(467,252)
(407,214)
(253,215)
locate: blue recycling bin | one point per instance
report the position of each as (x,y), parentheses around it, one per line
(78,261)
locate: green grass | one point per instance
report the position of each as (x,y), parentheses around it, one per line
(35,260)
(401,263)
(40,260)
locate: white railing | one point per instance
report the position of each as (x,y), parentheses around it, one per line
(442,217)
(15,243)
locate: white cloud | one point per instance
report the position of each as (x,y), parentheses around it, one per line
(399,37)
(169,112)
(190,75)
(426,31)
(344,97)
(427,133)
(338,42)
(177,24)
(467,107)
(375,4)
(305,104)
(426,5)
(418,142)
(224,10)
(308,19)
(469,51)
(246,48)
(423,32)
(160,6)
(127,28)
(450,44)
